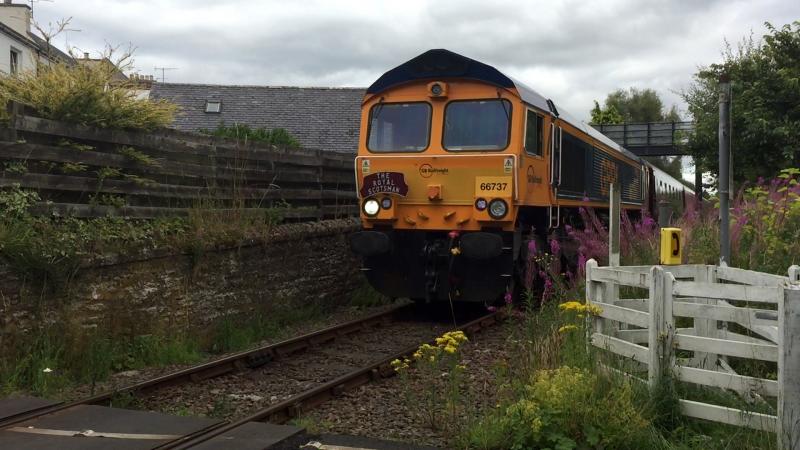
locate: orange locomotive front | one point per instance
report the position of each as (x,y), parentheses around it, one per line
(458,165)
(440,178)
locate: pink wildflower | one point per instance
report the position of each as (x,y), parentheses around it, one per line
(509,298)
(555,247)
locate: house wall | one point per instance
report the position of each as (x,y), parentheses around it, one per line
(18,19)
(28,54)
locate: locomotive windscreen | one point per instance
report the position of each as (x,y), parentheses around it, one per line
(399,127)
(477,125)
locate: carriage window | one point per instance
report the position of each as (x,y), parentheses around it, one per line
(477,125)
(533,133)
(399,127)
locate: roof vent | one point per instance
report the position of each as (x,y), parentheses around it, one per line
(552,107)
(213,106)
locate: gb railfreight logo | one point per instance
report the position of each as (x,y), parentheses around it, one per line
(427,171)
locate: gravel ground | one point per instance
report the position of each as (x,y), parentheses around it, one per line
(129,377)
(379,410)
(236,395)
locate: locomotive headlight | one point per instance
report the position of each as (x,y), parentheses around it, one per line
(480,204)
(386,202)
(436,89)
(371,207)
(498,208)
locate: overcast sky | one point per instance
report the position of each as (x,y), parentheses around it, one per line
(571,51)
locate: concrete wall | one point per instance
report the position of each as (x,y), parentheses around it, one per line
(299,263)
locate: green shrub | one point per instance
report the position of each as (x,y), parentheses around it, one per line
(566,408)
(86,94)
(243,132)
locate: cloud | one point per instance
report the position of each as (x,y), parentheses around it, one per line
(571,51)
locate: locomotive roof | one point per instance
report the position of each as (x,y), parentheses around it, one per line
(441,63)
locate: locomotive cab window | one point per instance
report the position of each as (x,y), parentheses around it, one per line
(533,133)
(399,127)
(477,125)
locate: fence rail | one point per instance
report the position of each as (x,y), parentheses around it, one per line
(91,172)
(734,313)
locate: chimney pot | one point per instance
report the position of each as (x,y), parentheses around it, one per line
(85,54)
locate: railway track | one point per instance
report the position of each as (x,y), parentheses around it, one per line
(369,362)
(307,400)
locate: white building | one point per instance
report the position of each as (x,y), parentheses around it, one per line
(20,49)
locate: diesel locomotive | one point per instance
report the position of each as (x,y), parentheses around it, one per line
(459,165)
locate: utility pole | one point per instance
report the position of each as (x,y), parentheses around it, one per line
(163,72)
(724,169)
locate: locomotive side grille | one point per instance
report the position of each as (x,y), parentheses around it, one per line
(588,172)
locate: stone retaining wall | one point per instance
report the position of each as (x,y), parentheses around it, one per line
(298,263)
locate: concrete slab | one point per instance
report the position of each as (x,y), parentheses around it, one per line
(252,436)
(13,406)
(99,427)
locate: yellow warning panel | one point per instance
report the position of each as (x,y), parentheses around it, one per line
(671,252)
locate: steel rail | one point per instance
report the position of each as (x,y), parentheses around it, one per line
(292,407)
(245,359)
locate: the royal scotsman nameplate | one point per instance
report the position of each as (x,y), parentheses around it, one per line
(384,183)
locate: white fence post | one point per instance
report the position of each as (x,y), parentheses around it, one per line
(705,327)
(789,369)
(591,295)
(794,274)
(656,325)
(614,210)
(661,325)
(611,289)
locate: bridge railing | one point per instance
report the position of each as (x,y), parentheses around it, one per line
(651,134)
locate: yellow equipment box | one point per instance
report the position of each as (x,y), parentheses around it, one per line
(671,253)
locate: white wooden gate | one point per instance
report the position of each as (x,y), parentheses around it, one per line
(643,329)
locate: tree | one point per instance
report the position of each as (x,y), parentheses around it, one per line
(608,115)
(633,105)
(637,105)
(765,79)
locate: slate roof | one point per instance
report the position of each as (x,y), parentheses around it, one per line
(55,52)
(320,118)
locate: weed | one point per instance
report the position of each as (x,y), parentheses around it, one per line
(138,156)
(222,408)
(312,425)
(364,296)
(117,201)
(69,168)
(19,167)
(75,145)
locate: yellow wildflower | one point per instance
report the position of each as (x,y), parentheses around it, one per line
(594,310)
(450,349)
(566,328)
(571,306)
